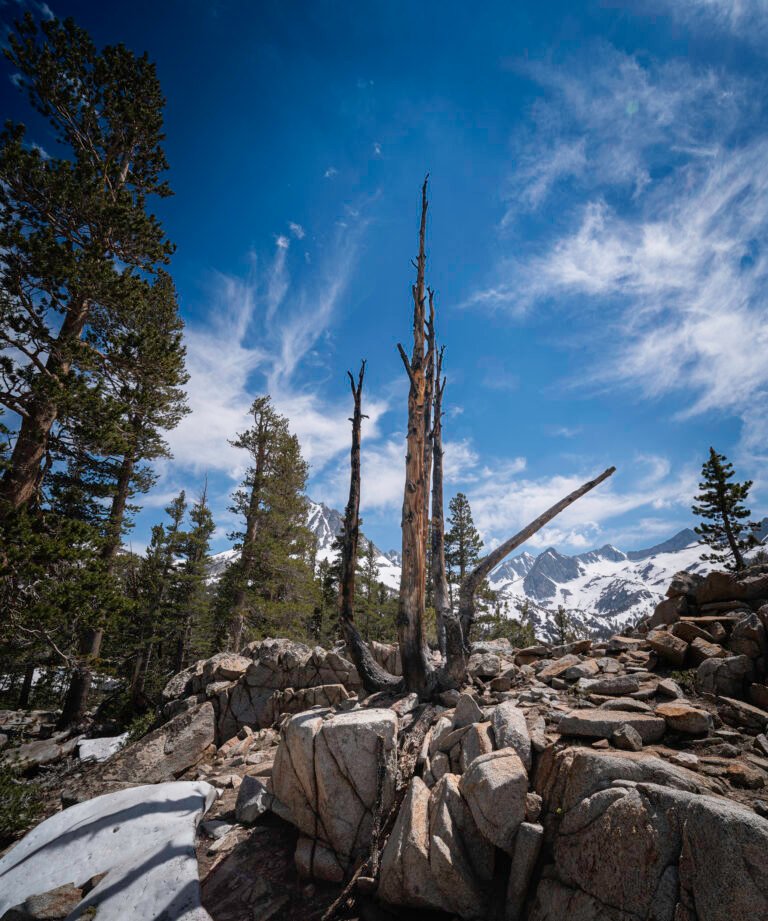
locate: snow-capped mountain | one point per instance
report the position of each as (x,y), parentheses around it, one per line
(325,523)
(603,589)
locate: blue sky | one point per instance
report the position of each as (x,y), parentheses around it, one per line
(597,242)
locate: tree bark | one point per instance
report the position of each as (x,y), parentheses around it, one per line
(429,394)
(738,559)
(372,675)
(26,686)
(117,509)
(475,577)
(449,635)
(410,619)
(19,484)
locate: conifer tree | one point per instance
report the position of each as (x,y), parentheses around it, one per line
(193,598)
(368,597)
(721,504)
(462,541)
(158,590)
(75,234)
(272,584)
(119,431)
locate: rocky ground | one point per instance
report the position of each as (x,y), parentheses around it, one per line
(616,781)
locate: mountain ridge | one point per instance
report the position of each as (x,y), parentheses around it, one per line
(604,589)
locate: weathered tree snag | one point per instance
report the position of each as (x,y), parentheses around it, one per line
(449,634)
(410,618)
(372,675)
(437,562)
(429,391)
(474,579)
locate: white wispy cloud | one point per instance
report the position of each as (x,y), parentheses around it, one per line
(258,332)
(608,120)
(504,501)
(746,19)
(662,239)
(330,172)
(297,230)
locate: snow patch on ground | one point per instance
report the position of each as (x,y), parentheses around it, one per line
(100,749)
(142,838)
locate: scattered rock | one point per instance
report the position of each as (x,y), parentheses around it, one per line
(682,717)
(511,731)
(669,688)
(724,676)
(325,775)
(495,787)
(601,724)
(527,847)
(467,712)
(668,647)
(627,738)
(253,799)
(435,856)
(613,686)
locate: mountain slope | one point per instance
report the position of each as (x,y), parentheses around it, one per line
(604,589)
(325,523)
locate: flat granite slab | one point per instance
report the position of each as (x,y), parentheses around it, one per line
(601,724)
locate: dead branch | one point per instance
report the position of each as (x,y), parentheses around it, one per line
(474,579)
(372,675)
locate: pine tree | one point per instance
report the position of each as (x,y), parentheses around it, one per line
(462,541)
(157,592)
(272,584)
(194,629)
(118,430)
(76,236)
(720,502)
(368,594)
(566,629)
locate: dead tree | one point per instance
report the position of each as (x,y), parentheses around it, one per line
(449,635)
(410,615)
(418,673)
(473,580)
(430,372)
(372,675)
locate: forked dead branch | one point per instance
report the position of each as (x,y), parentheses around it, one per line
(423,468)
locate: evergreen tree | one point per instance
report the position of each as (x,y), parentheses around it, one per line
(194,627)
(75,233)
(134,399)
(367,607)
(720,502)
(462,542)
(158,588)
(463,546)
(566,629)
(271,587)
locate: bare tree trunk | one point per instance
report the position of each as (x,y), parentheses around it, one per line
(438,572)
(410,619)
(449,635)
(474,579)
(26,686)
(429,393)
(373,676)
